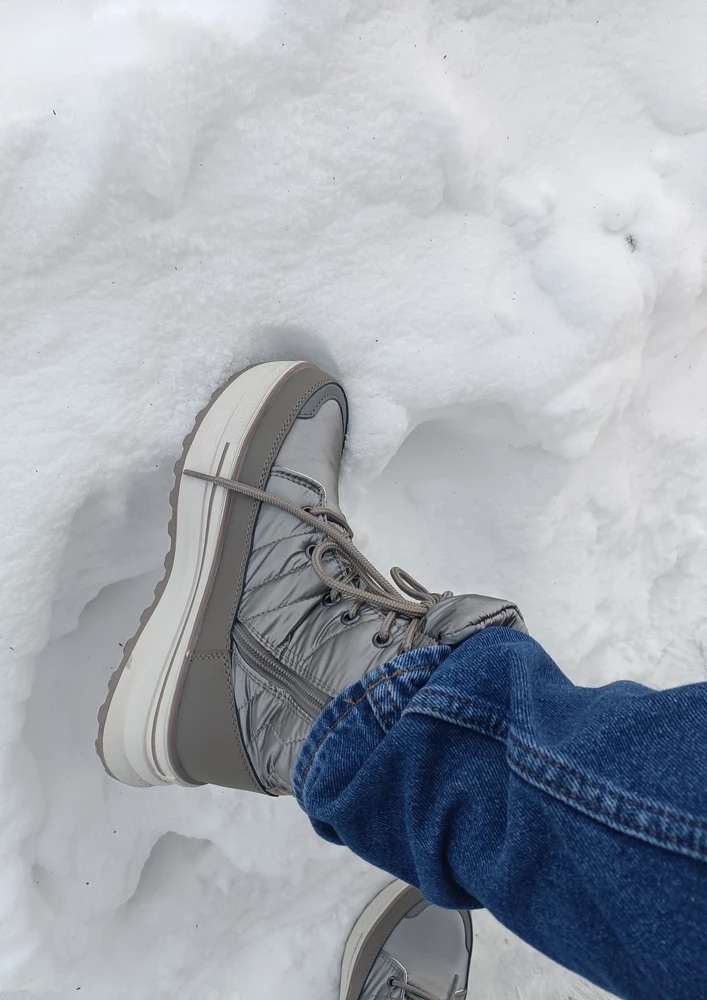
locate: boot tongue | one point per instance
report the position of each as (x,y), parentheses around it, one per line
(312,449)
(454,619)
(431,947)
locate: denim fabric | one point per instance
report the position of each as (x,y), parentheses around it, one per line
(577,816)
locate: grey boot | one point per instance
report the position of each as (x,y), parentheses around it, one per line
(402,948)
(267,610)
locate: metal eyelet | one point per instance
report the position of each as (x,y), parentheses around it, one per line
(380,642)
(348,619)
(309,551)
(328,601)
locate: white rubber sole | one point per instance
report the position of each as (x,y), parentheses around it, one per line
(134,738)
(363,927)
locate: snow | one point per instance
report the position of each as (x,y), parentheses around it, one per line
(490,219)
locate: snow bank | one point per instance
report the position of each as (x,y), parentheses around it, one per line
(489,218)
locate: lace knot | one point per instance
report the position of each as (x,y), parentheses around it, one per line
(361,582)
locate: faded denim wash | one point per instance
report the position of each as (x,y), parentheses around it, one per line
(577,816)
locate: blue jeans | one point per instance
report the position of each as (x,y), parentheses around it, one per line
(577,816)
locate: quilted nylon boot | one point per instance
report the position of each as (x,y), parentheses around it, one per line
(403,948)
(267,610)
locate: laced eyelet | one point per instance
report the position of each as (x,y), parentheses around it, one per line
(309,551)
(380,642)
(348,619)
(328,601)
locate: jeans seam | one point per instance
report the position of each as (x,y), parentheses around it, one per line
(353,704)
(478,703)
(689,820)
(620,821)
(494,723)
(375,701)
(387,684)
(495,730)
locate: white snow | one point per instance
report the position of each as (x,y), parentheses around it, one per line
(489,217)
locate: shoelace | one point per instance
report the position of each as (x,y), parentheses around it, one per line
(411,992)
(362,582)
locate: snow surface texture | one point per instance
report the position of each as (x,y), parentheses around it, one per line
(489,218)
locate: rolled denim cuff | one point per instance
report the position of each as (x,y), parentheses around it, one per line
(353,724)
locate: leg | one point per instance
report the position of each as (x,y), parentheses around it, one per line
(267,611)
(578,817)
(569,813)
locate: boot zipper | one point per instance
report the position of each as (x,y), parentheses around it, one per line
(305,694)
